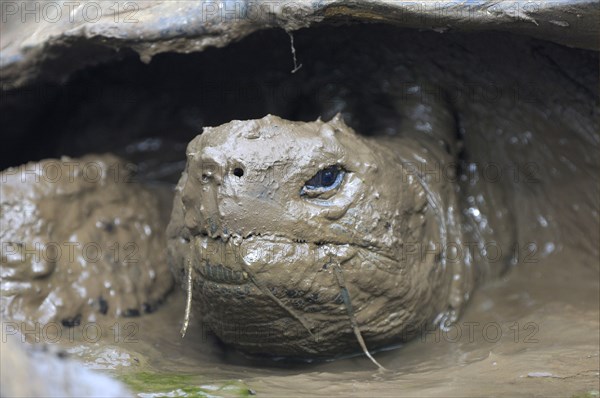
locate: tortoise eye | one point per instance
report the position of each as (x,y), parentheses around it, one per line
(325,180)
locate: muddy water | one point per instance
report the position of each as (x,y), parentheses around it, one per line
(534,332)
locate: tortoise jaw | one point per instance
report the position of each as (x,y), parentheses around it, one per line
(222,274)
(247,286)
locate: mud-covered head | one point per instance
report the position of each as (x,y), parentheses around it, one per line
(266,214)
(314,182)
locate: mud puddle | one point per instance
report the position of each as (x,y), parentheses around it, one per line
(532,333)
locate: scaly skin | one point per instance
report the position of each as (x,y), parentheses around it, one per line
(80,242)
(263,257)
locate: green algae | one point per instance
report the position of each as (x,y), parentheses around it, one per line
(149,384)
(588,394)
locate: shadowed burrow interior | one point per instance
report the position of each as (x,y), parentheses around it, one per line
(148,112)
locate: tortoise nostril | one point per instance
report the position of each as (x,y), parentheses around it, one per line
(238,172)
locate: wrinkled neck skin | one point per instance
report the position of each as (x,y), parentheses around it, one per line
(262,254)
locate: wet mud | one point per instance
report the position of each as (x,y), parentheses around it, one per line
(524,139)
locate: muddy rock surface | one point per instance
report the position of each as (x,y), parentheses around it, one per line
(38,48)
(81,241)
(49,374)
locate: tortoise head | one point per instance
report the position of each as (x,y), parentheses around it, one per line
(292,232)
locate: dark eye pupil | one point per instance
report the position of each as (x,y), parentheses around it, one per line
(328,177)
(324,178)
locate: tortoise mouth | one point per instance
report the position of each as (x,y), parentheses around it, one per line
(222,274)
(234,261)
(223,251)
(269,267)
